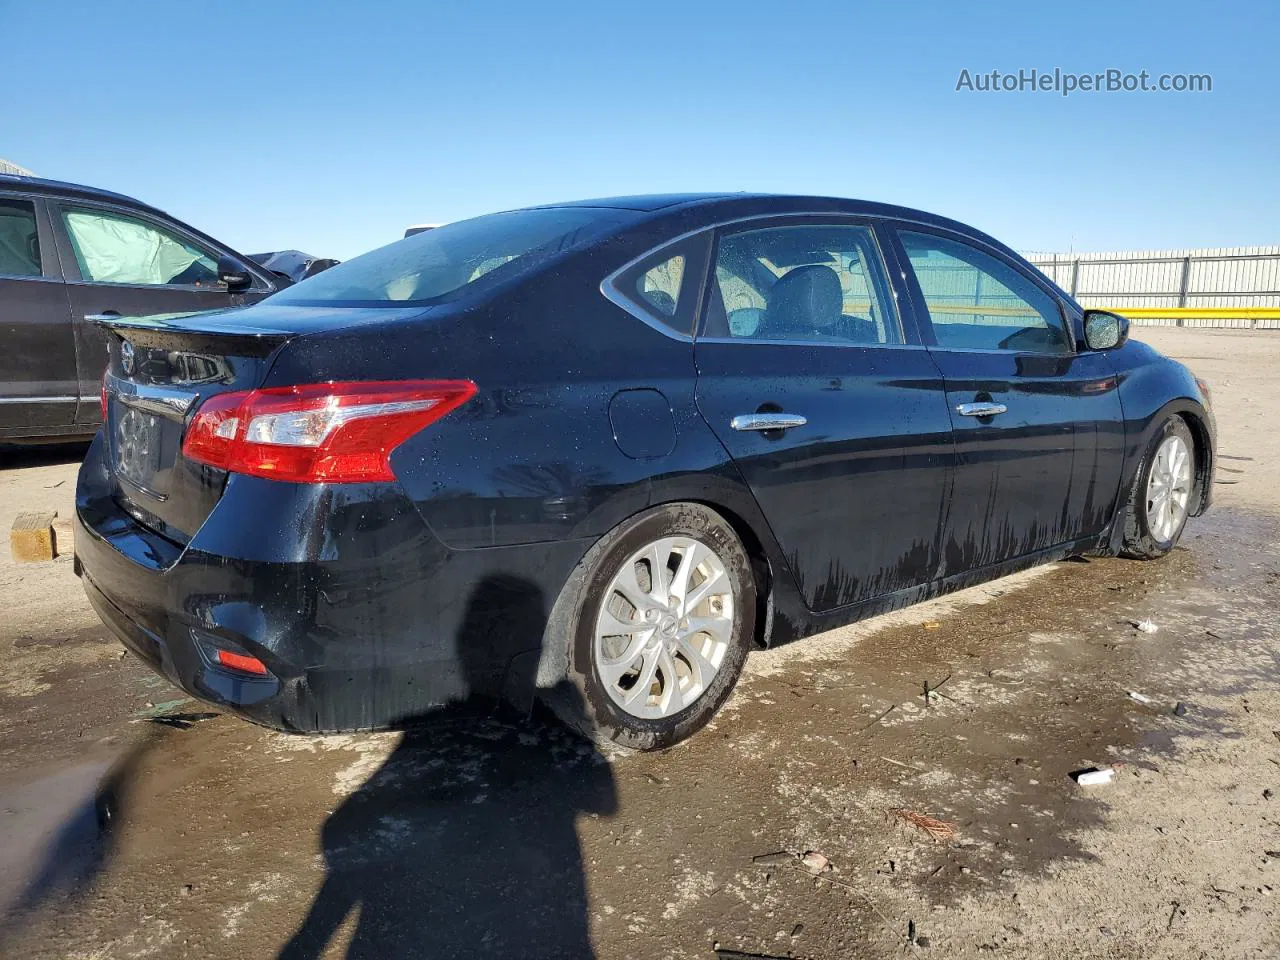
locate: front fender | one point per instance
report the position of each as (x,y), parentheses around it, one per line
(1153,388)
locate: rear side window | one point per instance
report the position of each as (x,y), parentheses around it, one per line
(429,266)
(19,239)
(979,302)
(659,286)
(662,287)
(115,248)
(821,283)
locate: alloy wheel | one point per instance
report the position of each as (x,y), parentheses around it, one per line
(664,627)
(1169,488)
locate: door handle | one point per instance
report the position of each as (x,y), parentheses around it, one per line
(981,409)
(107,316)
(767,421)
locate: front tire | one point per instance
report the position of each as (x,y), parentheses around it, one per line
(657,619)
(1160,500)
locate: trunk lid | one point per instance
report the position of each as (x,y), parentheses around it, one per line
(162,368)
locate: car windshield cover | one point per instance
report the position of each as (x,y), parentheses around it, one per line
(430,266)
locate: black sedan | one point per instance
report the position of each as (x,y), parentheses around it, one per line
(595,452)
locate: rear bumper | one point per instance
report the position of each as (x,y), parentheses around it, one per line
(362,617)
(181,663)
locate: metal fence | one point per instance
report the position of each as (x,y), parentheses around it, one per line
(1215,287)
(13,168)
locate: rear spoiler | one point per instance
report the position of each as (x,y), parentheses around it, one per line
(208,331)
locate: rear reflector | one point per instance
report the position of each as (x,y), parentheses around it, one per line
(318,433)
(238,661)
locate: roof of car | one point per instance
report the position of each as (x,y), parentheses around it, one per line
(734,204)
(643,202)
(721,207)
(39,185)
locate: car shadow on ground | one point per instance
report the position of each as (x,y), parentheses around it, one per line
(464,842)
(17,455)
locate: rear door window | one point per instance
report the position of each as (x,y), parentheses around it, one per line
(811,283)
(113,247)
(19,239)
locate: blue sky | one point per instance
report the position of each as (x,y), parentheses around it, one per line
(330,127)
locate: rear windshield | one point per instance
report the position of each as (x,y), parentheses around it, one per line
(430,266)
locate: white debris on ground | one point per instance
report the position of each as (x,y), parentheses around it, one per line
(815,862)
(1093,778)
(370,751)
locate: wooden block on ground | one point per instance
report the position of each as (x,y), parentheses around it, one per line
(64,540)
(31,537)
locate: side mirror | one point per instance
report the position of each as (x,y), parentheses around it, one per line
(234,274)
(1104,331)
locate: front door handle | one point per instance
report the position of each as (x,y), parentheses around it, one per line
(767,421)
(981,409)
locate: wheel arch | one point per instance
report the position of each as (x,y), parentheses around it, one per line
(777,610)
(1203,438)
(1200,423)
(761,568)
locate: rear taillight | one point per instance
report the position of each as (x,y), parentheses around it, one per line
(212,434)
(322,432)
(104,396)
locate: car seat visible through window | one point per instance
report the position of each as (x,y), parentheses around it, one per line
(805,303)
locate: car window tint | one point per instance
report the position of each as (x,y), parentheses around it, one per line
(19,239)
(114,248)
(977,301)
(659,286)
(818,282)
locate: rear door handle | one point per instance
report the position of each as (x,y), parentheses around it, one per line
(767,421)
(981,409)
(107,316)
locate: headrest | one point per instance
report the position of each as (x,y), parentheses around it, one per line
(806,300)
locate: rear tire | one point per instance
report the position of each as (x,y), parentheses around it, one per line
(1160,499)
(650,661)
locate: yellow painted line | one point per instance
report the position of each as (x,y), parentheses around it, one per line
(982,310)
(1191,313)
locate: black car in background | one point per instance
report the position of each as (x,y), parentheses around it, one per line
(598,451)
(69,254)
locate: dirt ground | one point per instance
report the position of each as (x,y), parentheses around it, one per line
(135,822)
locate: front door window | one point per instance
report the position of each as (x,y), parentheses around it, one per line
(115,248)
(979,302)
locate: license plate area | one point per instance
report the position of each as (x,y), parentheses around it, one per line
(137,445)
